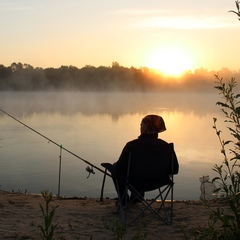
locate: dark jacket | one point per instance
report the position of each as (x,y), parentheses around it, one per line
(149,139)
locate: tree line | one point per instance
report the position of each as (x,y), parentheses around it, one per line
(24,77)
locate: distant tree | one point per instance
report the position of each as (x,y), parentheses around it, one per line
(39,81)
(5,75)
(5,72)
(52,77)
(16,67)
(115,64)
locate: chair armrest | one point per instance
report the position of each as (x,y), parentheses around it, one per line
(108,166)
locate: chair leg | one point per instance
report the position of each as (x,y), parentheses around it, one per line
(171,204)
(163,201)
(148,206)
(103,184)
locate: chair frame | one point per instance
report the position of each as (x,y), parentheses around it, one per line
(161,212)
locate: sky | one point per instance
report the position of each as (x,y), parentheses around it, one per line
(161,34)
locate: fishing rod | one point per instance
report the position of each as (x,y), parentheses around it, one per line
(90,170)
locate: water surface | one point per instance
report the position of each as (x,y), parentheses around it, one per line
(96,126)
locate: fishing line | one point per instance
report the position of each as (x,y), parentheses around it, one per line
(90,170)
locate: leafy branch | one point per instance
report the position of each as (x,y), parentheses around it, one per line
(48,228)
(238,9)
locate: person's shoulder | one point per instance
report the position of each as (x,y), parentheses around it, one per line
(161,141)
(132,142)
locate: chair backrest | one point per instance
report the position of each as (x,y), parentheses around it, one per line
(150,165)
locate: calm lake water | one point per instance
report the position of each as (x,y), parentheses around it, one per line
(96,126)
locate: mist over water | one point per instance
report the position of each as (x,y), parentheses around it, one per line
(96,126)
(112,103)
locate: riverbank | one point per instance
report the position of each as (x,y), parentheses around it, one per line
(83,218)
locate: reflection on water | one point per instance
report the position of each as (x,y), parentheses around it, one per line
(96,126)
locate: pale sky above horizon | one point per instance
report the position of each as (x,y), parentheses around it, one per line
(52,33)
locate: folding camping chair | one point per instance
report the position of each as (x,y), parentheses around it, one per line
(145,175)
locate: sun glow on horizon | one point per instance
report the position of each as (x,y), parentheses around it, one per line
(170,61)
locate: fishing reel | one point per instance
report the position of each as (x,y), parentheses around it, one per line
(90,171)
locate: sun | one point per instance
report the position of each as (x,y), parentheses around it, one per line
(170,61)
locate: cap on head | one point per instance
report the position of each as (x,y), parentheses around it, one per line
(152,124)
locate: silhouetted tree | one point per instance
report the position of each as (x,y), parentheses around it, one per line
(20,76)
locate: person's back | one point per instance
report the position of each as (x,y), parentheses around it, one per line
(146,146)
(151,162)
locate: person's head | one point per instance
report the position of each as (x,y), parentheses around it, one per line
(152,124)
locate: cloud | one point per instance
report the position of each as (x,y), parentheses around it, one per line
(186,22)
(14,7)
(175,19)
(140,11)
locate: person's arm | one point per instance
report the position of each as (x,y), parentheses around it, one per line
(175,167)
(122,163)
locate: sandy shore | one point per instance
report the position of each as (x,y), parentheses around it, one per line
(20,216)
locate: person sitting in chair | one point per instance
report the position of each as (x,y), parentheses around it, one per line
(151,125)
